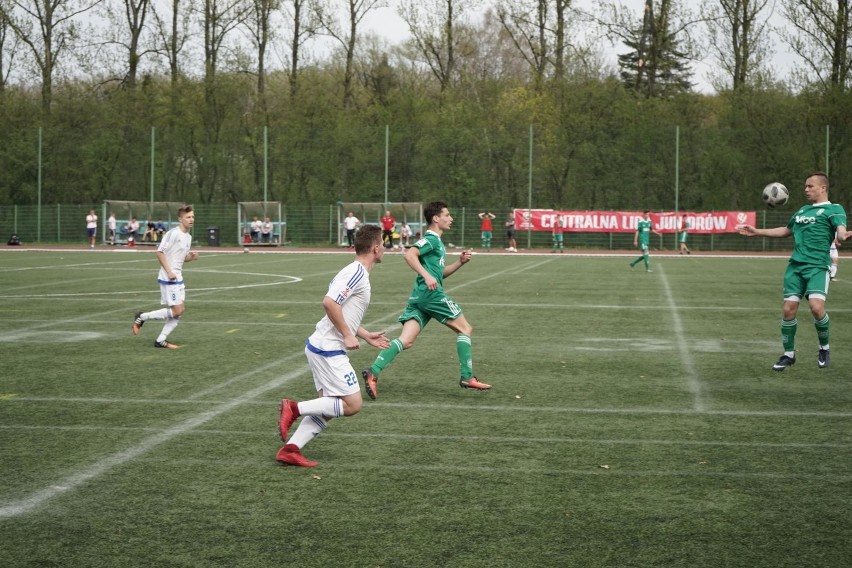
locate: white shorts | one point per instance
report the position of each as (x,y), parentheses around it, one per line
(333,375)
(172,294)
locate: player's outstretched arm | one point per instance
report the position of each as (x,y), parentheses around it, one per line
(375,338)
(750,231)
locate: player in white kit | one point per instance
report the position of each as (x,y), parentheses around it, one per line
(336,382)
(172,253)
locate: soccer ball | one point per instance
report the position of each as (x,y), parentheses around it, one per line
(775,194)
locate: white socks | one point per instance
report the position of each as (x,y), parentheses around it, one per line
(308,429)
(327,406)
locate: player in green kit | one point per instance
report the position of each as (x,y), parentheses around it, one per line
(814,227)
(642,239)
(429,301)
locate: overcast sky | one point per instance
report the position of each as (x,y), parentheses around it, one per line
(386,23)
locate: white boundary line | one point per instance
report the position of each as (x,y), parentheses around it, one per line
(456,438)
(638,411)
(693,380)
(34,500)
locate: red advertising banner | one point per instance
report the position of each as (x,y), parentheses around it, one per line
(625,221)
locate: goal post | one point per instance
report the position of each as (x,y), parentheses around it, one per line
(247,211)
(371,213)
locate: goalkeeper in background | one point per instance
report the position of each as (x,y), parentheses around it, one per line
(814,227)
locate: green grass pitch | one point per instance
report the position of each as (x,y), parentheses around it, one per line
(634,420)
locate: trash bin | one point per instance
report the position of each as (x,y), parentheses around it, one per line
(213,236)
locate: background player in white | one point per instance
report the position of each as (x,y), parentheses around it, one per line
(338,390)
(172,253)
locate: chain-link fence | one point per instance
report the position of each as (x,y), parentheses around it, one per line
(317,226)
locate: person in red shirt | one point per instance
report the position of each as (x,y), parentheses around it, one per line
(388,223)
(487,229)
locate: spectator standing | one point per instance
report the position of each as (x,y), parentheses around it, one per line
(487,228)
(559,235)
(91,227)
(350,223)
(388,223)
(111,227)
(510,234)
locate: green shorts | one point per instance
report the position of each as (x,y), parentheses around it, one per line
(557,237)
(486,235)
(435,304)
(805,281)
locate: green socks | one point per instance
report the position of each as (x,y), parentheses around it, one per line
(822,330)
(465,359)
(788,333)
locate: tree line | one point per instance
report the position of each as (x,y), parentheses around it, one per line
(238,100)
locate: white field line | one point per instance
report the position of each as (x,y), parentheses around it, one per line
(383,320)
(693,380)
(71,482)
(74,480)
(406,406)
(595,471)
(455,438)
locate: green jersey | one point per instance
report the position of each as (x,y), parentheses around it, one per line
(644,229)
(814,228)
(432,253)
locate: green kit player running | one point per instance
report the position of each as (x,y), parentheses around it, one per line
(642,240)
(428,300)
(814,227)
